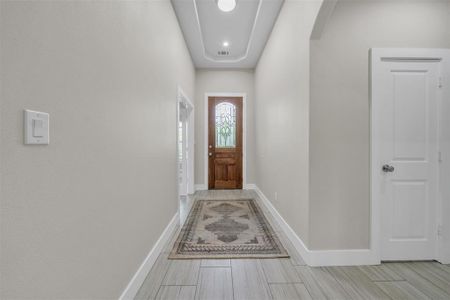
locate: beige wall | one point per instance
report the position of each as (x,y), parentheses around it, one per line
(223,81)
(80,215)
(282,114)
(339,141)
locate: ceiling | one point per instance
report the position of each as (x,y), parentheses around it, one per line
(246,29)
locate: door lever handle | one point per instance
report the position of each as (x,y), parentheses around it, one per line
(388,168)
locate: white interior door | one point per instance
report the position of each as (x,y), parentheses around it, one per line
(405,145)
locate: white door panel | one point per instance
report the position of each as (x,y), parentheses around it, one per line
(409,222)
(406,119)
(409,115)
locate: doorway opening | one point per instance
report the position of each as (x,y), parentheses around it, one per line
(185,153)
(409,202)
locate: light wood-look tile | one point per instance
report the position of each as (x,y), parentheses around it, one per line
(280,271)
(347,284)
(401,290)
(176,292)
(445,268)
(355,282)
(215,283)
(152,282)
(321,284)
(186,203)
(273,278)
(182,272)
(380,273)
(434,267)
(418,281)
(215,263)
(169,246)
(249,281)
(438,277)
(289,291)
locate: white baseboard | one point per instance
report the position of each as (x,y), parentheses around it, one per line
(288,231)
(250,186)
(444,251)
(347,257)
(201,187)
(133,286)
(316,258)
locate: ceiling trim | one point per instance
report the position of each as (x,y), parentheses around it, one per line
(206,56)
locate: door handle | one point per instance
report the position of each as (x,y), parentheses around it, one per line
(210,154)
(388,168)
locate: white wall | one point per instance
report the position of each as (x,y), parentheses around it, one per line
(339,141)
(80,215)
(223,81)
(282,114)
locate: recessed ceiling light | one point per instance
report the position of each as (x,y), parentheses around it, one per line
(226,44)
(226,5)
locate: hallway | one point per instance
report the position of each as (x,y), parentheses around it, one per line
(118,116)
(287,279)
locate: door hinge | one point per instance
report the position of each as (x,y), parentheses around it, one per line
(439,230)
(440,82)
(440,156)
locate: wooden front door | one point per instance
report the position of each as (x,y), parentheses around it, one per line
(225,142)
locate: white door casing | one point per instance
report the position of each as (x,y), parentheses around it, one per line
(185,150)
(406,92)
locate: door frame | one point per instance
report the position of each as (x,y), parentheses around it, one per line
(244,134)
(182,98)
(443,202)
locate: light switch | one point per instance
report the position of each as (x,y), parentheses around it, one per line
(36,127)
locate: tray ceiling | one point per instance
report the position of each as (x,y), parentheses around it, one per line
(218,39)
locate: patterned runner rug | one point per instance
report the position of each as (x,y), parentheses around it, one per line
(227,229)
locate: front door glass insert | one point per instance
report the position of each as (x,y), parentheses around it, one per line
(225,125)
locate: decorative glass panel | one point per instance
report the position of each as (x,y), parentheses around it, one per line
(225,125)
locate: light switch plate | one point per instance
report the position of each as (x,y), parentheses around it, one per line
(36,127)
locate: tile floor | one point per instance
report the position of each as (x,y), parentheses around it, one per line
(290,278)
